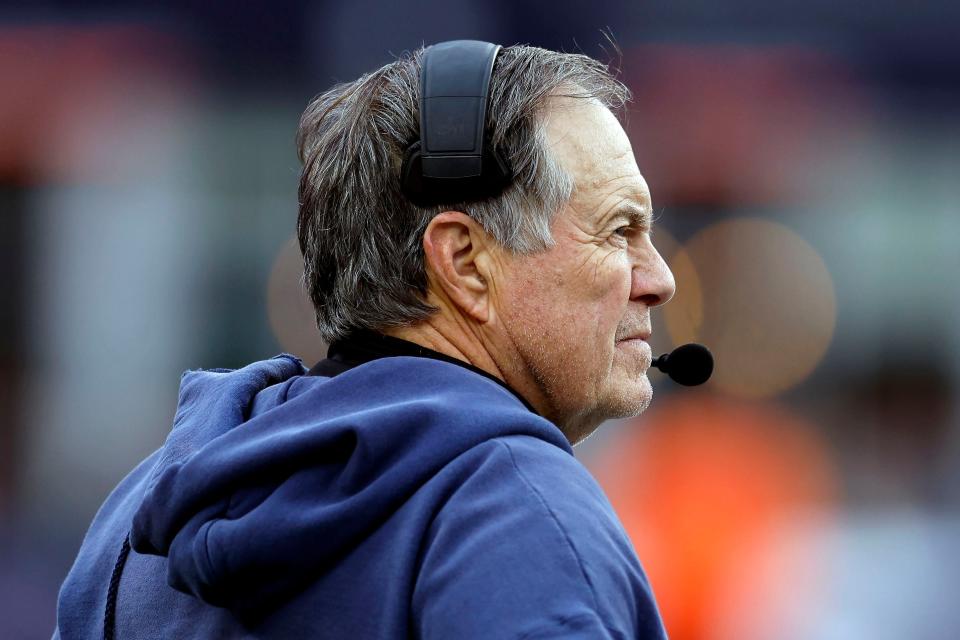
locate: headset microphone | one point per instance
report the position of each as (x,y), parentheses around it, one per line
(689,364)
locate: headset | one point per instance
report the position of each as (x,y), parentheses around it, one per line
(453,162)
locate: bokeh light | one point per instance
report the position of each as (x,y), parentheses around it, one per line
(768,304)
(699,486)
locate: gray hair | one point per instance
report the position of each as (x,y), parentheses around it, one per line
(361,238)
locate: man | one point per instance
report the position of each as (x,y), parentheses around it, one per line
(420,481)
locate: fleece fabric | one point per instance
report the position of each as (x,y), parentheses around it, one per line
(404,498)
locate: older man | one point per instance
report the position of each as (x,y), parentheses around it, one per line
(420,481)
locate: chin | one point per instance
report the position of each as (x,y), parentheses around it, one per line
(625,400)
(629,398)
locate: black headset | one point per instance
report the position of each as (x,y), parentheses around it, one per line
(453,161)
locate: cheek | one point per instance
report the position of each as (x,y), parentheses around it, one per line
(611,286)
(600,304)
(574,305)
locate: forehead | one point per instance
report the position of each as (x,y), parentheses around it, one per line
(591,145)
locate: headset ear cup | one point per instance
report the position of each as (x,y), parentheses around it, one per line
(411,173)
(497,175)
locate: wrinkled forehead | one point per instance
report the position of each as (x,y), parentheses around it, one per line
(592,147)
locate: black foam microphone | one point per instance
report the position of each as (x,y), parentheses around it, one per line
(689,364)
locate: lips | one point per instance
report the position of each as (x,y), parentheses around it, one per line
(644,335)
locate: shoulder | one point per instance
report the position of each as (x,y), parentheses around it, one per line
(529,524)
(557,494)
(539,483)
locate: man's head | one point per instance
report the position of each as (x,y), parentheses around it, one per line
(544,284)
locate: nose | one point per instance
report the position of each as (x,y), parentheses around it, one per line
(652,281)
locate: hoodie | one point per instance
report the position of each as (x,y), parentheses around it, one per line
(403,498)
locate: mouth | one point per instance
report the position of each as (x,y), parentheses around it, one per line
(644,335)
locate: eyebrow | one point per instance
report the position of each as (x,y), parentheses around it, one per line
(636,214)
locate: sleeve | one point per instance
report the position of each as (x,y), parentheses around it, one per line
(528,547)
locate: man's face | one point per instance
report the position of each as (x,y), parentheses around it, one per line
(578,314)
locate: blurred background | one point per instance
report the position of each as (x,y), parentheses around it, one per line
(804,161)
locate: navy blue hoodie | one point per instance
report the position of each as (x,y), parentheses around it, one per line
(404,498)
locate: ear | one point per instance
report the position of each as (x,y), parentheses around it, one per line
(455,248)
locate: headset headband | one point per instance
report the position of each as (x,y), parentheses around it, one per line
(450,163)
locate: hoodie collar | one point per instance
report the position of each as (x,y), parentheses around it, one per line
(364,346)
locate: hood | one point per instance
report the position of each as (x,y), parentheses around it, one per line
(270,476)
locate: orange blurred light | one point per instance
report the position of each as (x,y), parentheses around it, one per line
(700,487)
(762,300)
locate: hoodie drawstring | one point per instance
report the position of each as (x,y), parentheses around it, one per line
(110,611)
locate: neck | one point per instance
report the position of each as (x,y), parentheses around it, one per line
(472,346)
